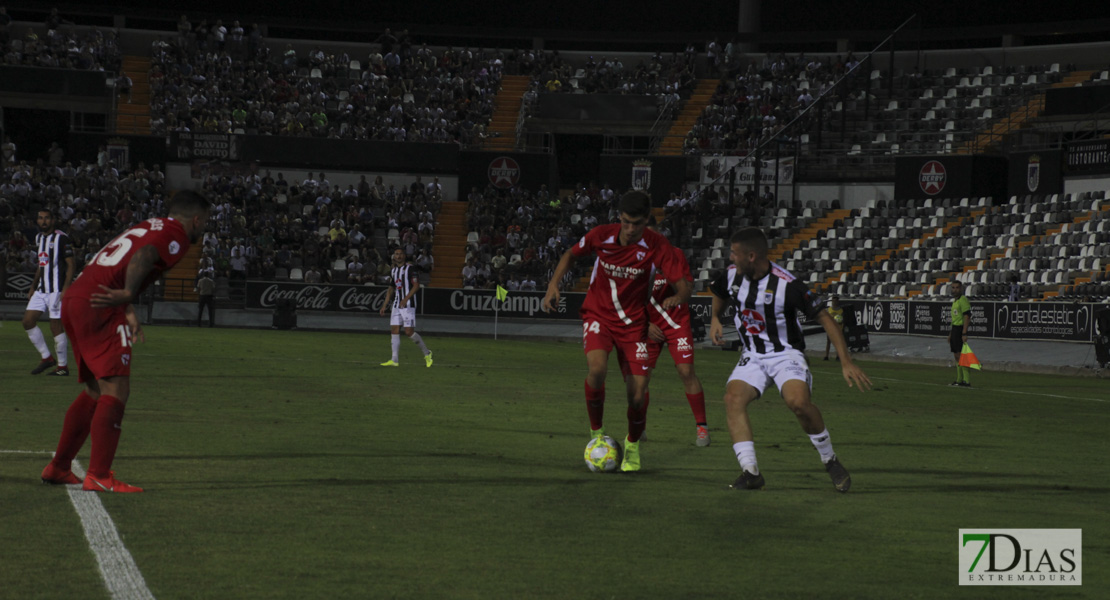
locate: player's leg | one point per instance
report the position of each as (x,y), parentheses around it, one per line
(409,318)
(75,430)
(828,344)
(682,353)
(394,338)
(637,387)
(738,395)
(31,317)
(596,343)
(61,342)
(795,386)
(106,429)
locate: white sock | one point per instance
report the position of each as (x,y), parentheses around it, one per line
(395,342)
(415,337)
(745,453)
(823,443)
(61,345)
(40,342)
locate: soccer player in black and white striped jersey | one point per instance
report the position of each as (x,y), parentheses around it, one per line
(401,300)
(55,272)
(768,302)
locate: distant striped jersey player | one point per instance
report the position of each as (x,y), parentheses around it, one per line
(53,250)
(403,281)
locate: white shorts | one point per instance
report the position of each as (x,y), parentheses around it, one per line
(48,303)
(403,317)
(756,370)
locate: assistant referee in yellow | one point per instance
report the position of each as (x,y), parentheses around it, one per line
(961,319)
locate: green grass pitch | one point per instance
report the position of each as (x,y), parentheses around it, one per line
(289,465)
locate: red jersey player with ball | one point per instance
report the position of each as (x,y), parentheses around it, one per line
(101,322)
(614,313)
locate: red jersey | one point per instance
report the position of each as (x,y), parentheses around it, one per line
(622,275)
(109,266)
(676,317)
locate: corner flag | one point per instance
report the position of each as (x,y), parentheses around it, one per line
(968,359)
(502,293)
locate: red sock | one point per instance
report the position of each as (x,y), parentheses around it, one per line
(595,405)
(75,430)
(637,420)
(105,435)
(697,404)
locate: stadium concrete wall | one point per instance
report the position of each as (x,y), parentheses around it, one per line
(851,195)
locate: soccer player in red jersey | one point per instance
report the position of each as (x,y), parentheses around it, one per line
(614,313)
(102,325)
(671,327)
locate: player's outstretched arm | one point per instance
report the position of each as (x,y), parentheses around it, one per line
(551,299)
(852,374)
(142,263)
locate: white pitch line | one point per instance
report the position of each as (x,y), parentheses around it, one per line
(117,567)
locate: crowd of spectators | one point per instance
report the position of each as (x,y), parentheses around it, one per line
(324,232)
(61,45)
(754,103)
(262,226)
(521,235)
(203,81)
(92,201)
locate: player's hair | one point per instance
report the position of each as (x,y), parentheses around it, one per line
(49,210)
(635,204)
(188,204)
(751,238)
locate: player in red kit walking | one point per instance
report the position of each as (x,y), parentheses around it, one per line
(102,325)
(614,313)
(671,328)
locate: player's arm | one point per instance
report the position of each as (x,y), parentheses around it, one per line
(388,299)
(137,334)
(35,282)
(412,292)
(716,330)
(682,292)
(551,299)
(142,264)
(852,374)
(71,264)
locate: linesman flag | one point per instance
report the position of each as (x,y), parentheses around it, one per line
(968,359)
(502,293)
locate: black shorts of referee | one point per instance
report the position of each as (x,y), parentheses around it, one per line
(956,340)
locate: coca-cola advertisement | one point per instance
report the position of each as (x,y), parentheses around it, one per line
(322,297)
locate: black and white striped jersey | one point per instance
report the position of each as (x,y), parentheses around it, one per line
(768,312)
(403,281)
(53,249)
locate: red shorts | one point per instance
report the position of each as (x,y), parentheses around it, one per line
(679,342)
(100,338)
(629,341)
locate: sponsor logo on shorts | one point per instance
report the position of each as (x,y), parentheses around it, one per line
(641,351)
(125,359)
(683,344)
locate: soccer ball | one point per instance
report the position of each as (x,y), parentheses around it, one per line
(603,454)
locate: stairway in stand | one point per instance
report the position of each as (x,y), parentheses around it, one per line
(449,246)
(506,112)
(699,99)
(134,117)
